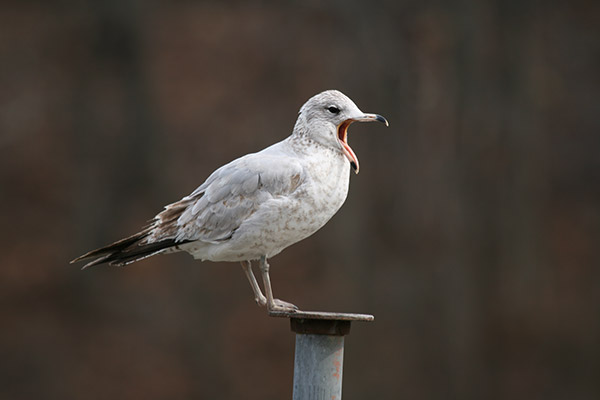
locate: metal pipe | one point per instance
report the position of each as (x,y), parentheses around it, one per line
(319,358)
(318,367)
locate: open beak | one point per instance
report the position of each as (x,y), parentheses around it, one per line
(343,136)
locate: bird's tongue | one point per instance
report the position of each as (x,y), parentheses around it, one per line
(343,138)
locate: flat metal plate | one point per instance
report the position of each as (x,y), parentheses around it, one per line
(323,315)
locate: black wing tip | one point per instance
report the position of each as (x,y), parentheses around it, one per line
(106,253)
(112,259)
(76,260)
(99,258)
(123,255)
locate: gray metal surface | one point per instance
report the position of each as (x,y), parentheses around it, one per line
(322,315)
(334,327)
(319,359)
(318,367)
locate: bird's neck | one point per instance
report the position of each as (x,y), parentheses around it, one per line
(304,142)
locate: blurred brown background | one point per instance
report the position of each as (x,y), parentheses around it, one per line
(472,232)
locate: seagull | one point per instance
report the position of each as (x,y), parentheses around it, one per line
(257,205)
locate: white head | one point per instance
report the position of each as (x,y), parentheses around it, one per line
(325,118)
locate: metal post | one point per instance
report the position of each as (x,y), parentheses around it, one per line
(319,359)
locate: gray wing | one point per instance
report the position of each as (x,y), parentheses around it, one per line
(218,207)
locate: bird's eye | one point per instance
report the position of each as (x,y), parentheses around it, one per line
(333,109)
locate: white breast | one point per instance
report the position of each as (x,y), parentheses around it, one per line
(287,219)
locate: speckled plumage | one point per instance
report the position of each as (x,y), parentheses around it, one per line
(259,204)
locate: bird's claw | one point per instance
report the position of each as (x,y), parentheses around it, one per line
(280,305)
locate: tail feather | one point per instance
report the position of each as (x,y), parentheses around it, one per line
(126,251)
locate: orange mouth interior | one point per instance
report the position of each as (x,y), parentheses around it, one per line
(343,131)
(343,137)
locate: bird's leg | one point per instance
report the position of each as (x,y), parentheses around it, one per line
(261,300)
(272,304)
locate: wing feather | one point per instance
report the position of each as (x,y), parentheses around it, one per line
(214,211)
(217,208)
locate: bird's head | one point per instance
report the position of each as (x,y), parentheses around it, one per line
(325,118)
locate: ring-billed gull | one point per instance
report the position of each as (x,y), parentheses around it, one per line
(257,205)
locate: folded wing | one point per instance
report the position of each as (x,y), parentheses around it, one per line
(212,213)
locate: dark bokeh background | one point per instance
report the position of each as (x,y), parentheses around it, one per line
(472,231)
